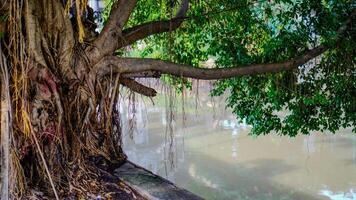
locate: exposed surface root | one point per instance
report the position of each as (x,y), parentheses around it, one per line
(96,181)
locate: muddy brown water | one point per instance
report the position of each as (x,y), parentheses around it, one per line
(213,156)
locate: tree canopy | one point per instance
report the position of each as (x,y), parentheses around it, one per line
(318,95)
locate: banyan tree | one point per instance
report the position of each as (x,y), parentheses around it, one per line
(61,76)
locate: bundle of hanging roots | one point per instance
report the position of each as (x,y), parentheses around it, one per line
(62,126)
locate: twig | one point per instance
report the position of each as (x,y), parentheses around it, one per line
(45,165)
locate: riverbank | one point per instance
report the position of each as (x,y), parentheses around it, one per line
(127,181)
(151,186)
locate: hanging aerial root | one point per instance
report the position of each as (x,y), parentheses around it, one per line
(79,9)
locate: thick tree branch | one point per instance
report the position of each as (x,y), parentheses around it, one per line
(105,43)
(143,74)
(138,87)
(142,31)
(136,65)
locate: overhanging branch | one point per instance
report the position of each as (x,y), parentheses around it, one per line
(137,65)
(142,31)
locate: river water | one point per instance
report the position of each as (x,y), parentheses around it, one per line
(214,157)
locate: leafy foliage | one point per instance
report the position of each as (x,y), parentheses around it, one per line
(318,96)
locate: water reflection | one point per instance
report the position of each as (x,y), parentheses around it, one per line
(339,195)
(215,158)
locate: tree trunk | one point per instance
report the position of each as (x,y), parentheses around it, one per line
(59,122)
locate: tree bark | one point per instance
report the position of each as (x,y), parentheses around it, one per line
(6,127)
(142,31)
(106,43)
(135,65)
(138,87)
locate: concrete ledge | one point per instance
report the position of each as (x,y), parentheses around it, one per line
(152,186)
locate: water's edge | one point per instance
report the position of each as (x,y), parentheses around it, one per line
(150,185)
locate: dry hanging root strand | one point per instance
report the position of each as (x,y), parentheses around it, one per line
(132,121)
(170,102)
(80,9)
(18,85)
